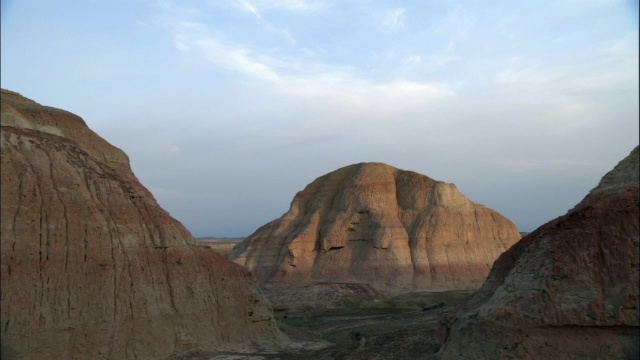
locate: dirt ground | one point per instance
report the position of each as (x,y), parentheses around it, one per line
(402,327)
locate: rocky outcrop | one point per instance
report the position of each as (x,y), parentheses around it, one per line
(92,267)
(374,224)
(568,290)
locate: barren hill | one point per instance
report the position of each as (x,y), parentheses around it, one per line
(568,290)
(92,267)
(375,224)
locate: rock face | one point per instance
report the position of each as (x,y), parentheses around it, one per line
(372,223)
(92,267)
(568,290)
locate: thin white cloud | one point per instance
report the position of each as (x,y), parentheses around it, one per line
(607,71)
(237,59)
(180,43)
(170,7)
(246,5)
(339,87)
(414,59)
(416,66)
(292,5)
(394,19)
(525,117)
(457,25)
(182,33)
(525,77)
(281,33)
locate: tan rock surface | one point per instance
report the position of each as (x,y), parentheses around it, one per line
(568,290)
(92,267)
(375,224)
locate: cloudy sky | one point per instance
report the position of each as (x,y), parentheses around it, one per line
(227,108)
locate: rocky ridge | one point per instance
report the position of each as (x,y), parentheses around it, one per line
(375,224)
(92,267)
(568,290)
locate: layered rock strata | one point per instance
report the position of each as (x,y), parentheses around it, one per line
(568,290)
(374,224)
(92,267)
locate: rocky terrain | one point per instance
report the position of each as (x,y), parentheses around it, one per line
(568,290)
(92,267)
(373,224)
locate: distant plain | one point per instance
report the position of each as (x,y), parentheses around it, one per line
(222,245)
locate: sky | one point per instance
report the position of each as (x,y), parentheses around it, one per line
(227,108)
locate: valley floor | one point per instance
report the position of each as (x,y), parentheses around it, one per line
(405,327)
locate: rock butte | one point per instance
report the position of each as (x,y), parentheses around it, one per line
(568,290)
(374,224)
(92,267)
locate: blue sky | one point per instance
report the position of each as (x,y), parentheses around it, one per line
(227,108)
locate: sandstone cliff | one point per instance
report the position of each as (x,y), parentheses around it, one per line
(372,223)
(568,290)
(92,267)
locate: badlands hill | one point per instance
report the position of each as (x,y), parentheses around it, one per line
(92,267)
(373,224)
(568,290)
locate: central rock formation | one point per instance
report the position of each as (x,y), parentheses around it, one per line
(372,223)
(568,290)
(92,267)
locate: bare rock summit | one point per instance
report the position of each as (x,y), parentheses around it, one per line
(374,224)
(568,290)
(92,267)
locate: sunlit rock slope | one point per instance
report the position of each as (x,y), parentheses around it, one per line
(372,223)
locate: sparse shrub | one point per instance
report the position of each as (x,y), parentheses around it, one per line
(300,317)
(392,303)
(351,301)
(355,335)
(301,321)
(305,307)
(416,303)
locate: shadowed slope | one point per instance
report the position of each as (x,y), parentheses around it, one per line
(567,290)
(92,267)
